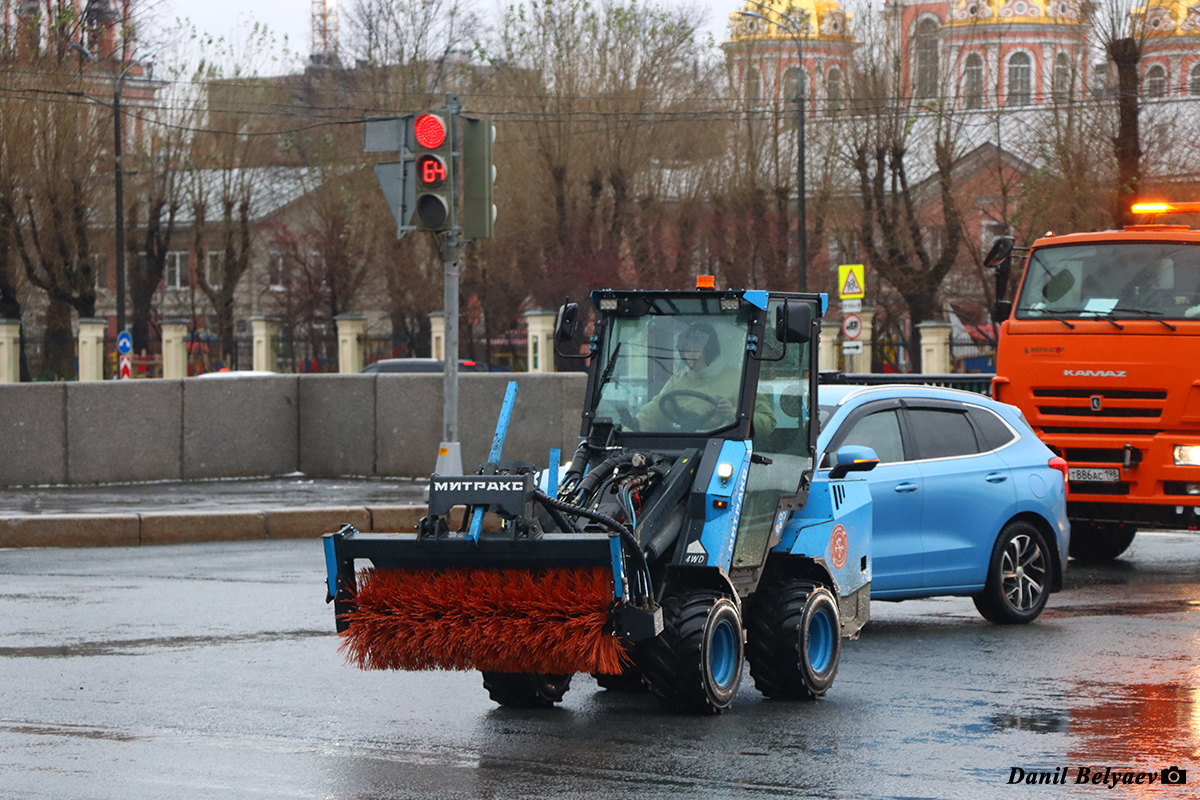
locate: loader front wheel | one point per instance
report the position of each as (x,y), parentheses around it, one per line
(526,689)
(794,639)
(695,664)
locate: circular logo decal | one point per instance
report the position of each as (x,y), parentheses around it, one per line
(839,547)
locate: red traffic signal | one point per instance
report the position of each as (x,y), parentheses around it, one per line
(431,171)
(429,131)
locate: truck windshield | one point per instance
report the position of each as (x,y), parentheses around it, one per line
(673,373)
(1135,280)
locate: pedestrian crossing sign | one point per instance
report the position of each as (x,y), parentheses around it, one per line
(852,282)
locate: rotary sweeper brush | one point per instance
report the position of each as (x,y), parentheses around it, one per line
(684,537)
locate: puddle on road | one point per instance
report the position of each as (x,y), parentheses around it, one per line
(1033,720)
(1141,723)
(1152,725)
(1139,608)
(133,646)
(51,729)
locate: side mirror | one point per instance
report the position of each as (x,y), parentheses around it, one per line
(564,326)
(793,322)
(1002,310)
(999,258)
(852,458)
(1001,249)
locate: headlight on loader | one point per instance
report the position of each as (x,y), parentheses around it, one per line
(1187,455)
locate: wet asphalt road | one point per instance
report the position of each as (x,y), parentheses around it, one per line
(211,671)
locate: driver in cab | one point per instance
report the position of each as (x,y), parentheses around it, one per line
(702,395)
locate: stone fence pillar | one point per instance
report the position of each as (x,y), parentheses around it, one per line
(174,347)
(10,350)
(437,334)
(935,347)
(266,332)
(539,351)
(350,329)
(827,357)
(91,349)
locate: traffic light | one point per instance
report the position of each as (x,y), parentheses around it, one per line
(478,175)
(433,169)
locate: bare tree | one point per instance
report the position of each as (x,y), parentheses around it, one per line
(48,206)
(885,136)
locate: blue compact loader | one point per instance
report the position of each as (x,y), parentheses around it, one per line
(685,536)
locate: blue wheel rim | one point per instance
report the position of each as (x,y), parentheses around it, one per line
(722,653)
(820,640)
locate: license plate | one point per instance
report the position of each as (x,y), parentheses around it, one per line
(1093,475)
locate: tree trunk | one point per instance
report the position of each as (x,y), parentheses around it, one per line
(58,351)
(1126,53)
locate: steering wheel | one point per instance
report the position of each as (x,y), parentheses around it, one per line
(668,403)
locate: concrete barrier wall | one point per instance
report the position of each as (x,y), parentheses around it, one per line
(322,425)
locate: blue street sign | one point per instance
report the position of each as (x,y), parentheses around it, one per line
(124,343)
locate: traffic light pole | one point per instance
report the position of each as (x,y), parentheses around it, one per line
(451,245)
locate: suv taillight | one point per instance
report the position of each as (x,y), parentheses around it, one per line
(1059,464)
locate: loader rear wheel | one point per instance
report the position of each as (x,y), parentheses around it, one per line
(526,689)
(695,664)
(795,641)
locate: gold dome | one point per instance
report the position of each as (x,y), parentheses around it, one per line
(1052,12)
(1169,18)
(813,19)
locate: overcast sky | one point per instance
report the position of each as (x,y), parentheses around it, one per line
(292,17)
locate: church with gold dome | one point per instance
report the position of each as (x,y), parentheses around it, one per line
(977,53)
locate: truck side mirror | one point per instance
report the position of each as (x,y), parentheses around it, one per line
(999,258)
(1002,310)
(793,322)
(852,458)
(1001,249)
(564,326)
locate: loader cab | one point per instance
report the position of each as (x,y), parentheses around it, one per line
(686,366)
(673,371)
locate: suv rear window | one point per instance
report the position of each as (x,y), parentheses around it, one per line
(994,431)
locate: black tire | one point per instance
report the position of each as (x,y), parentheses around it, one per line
(695,664)
(526,689)
(631,679)
(1099,542)
(1019,576)
(794,639)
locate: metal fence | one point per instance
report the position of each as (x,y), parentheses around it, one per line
(980,383)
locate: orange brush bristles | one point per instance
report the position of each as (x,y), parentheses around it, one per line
(549,621)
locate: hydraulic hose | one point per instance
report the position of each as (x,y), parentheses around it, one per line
(621,530)
(601,471)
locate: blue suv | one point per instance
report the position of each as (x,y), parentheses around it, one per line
(967,500)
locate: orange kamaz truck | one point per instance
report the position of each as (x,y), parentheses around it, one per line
(1101,351)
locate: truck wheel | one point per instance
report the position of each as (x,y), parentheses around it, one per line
(1018,579)
(526,689)
(695,664)
(794,639)
(1097,542)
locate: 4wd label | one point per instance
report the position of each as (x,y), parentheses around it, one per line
(696,554)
